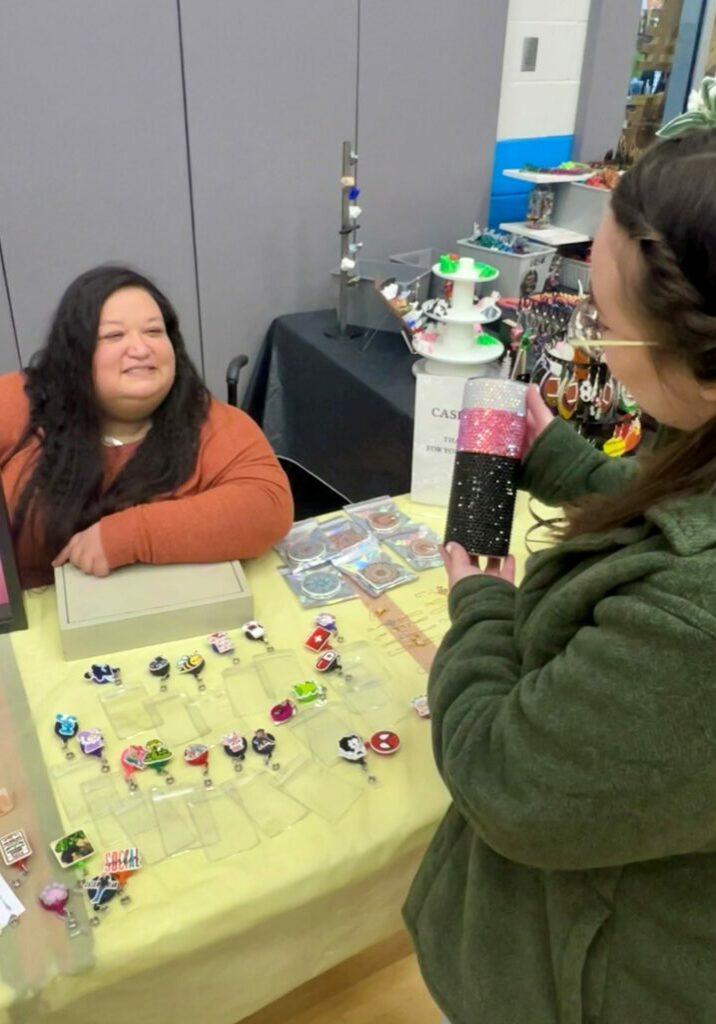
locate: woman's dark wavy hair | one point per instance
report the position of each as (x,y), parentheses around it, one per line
(63,493)
(666,204)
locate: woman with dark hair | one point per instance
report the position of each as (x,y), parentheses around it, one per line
(112,451)
(573,880)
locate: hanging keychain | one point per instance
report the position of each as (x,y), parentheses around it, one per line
(255,631)
(351,748)
(235,747)
(193,665)
(54,898)
(66,727)
(157,756)
(264,744)
(132,760)
(15,852)
(160,668)
(197,755)
(91,743)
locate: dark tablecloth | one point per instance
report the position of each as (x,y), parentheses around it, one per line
(342,409)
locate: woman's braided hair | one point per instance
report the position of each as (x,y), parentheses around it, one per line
(667,204)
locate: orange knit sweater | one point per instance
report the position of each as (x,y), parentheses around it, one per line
(236,503)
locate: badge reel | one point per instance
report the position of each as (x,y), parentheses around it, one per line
(15,852)
(235,747)
(197,756)
(66,728)
(309,692)
(254,631)
(54,898)
(321,584)
(221,643)
(283,712)
(352,749)
(92,744)
(121,865)
(160,668)
(264,744)
(103,675)
(328,621)
(193,665)
(329,661)
(132,761)
(100,890)
(157,756)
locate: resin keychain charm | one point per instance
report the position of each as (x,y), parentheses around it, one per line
(253,630)
(54,898)
(66,727)
(283,712)
(157,756)
(197,755)
(91,743)
(351,748)
(160,668)
(235,747)
(103,675)
(264,744)
(193,665)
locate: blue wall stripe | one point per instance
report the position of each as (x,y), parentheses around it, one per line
(509,197)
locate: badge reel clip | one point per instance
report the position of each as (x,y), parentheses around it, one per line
(197,756)
(103,675)
(193,665)
(264,744)
(157,756)
(221,643)
(92,744)
(15,852)
(54,898)
(235,747)
(352,749)
(160,668)
(254,631)
(66,728)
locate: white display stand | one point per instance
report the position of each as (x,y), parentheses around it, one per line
(451,348)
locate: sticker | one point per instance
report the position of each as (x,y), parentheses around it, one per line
(283,712)
(384,743)
(72,849)
(103,675)
(14,848)
(318,639)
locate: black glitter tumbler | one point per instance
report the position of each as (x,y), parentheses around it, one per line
(489,450)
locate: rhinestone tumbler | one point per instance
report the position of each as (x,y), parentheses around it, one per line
(490,444)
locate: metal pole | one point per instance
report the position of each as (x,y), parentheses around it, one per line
(346,175)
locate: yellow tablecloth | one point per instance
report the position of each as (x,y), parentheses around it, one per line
(214,941)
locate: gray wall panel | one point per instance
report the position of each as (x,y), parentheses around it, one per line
(270,99)
(608,62)
(428,101)
(9,355)
(94,158)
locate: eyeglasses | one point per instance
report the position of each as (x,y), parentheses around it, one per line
(586,332)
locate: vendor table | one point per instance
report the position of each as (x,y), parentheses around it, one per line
(214,940)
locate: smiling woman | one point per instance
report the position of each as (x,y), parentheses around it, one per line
(112,451)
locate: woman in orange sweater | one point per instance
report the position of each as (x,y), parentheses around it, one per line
(112,451)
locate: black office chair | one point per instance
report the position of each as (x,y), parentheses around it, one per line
(311,495)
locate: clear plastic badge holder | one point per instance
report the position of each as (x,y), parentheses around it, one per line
(246,688)
(135,816)
(326,792)
(419,547)
(316,588)
(128,710)
(181,717)
(175,823)
(365,689)
(278,672)
(68,780)
(373,571)
(216,710)
(380,515)
(305,546)
(101,796)
(216,813)
(271,810)
(320,729)
(342,533)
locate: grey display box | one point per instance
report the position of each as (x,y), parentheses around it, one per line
(144,605)
(365,306)
(580,207)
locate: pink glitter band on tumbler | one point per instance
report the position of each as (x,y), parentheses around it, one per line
(491,432)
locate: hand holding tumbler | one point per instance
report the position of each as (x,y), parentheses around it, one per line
(490,445)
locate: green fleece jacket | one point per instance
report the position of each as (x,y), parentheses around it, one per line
(573,879)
